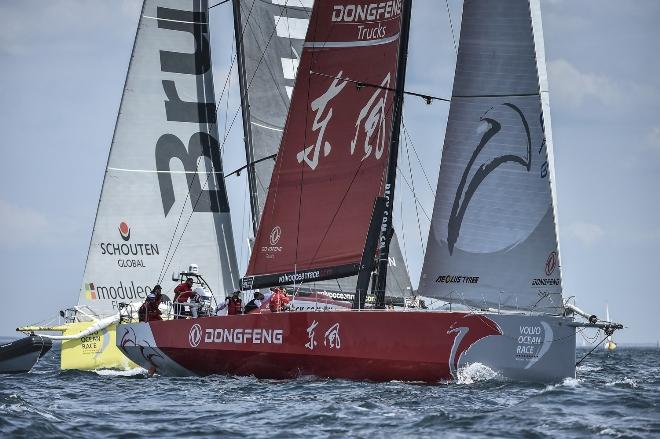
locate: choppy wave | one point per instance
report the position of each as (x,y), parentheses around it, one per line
(613,395)
(121,373)
(475,372)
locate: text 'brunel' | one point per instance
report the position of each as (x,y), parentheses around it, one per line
(201,144)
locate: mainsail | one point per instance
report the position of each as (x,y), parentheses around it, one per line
(270,41)
(330,166)
(163,203)
(493,240)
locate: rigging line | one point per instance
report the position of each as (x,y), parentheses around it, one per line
(233,61)
(427,98)
(243,224)
(426,177)
(192,181)
(221,153)
(302,168)
(238,171)
(403,176)
(412,179)
(218,4)
(233,54)
(263,54)
(451,27)
(262,34)
(190,184)
(360,84)
(403,237)
(388,111)
(591,351)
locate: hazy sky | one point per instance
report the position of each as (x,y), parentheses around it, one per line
(63,65)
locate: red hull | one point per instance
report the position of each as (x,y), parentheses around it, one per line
(376,345)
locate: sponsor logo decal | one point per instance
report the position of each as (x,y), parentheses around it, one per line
(273,238)
(331,338)
(368,12)
(244,335)
(116,293)
(299,277)
(130,255)
(539,282)
(533,342)
(487,158)
(90,291)
(195,335)
(275,235)
(551,263)
(124,231)
(91,344)
(457,279)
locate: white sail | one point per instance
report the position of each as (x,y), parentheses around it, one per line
(163,203)
(493,241)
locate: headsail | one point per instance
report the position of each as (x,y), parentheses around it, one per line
(163,203)
(331,162)
(493,240)
(270,37)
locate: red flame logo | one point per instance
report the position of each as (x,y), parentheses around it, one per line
(551,263)
(124,231)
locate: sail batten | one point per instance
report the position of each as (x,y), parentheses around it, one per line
(493,241)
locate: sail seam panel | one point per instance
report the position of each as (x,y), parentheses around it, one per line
(340,44)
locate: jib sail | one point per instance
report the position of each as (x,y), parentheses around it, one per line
(493,240)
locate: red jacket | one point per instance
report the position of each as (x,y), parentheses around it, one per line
(278,301)
(184,296)
(181,289)
(234,306)
(149,311)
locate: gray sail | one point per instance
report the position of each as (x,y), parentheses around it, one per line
(493,240)
(269,42)
(271,36)
(163,203)
(398,281)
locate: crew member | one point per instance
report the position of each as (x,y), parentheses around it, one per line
(183,287)
(149,311)
(182,293)
(255,303)
(234,304)
(279,301)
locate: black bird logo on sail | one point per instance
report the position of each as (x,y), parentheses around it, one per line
(481,165)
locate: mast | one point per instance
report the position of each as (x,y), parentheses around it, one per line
(245,110)
(387,231)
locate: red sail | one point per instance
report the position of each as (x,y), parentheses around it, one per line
(332,160)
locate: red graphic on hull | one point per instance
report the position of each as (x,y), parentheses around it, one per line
(469,329)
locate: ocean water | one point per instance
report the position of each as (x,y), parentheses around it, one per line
(614,395)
